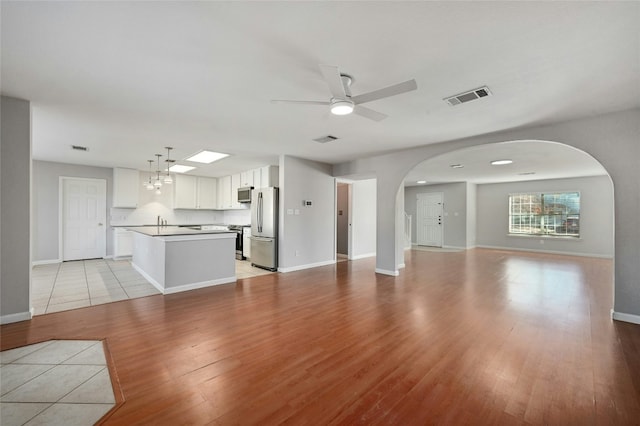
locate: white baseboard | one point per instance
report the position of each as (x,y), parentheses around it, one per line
(620,316)
(147,277)
(387,272)
(20,316)
(401,266)
(454,247)
(363,256)
(45,262)
(307,266)
(203,284)
(568,253)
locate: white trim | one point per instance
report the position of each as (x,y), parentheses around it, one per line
(20,316)
(387,272)
(362,256)
(621,316)
(45,262)
(153,282)
(203,284)
(184,287)
(307,266)
(454,247)
(568,253)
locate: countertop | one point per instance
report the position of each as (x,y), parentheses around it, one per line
(165,231)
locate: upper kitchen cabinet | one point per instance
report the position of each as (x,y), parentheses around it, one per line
(126,187)
(235,184)
(266,176)
(224,193)
(247,179)
(207,193)
(194,192)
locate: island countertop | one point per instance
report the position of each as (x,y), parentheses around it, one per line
(168,231)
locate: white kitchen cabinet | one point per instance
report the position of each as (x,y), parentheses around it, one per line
(126,187)
(194,192)
(122,243)
(207,193)
(247,179)
(235,184)
(224,192)
(269,176)
(185,192)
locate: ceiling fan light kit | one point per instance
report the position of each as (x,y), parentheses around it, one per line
(341,107)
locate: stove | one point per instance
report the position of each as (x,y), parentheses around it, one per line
(239,240)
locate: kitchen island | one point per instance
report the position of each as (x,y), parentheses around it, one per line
(177,258)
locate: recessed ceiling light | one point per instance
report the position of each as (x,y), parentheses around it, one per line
(456,166)
(178,168)
(207,157)
(501,162)
(421,181)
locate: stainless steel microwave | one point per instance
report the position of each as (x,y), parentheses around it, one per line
(244,194)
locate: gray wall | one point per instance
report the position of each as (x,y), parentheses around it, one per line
(472,203)
(596,216)
(612,139)
(363,218)
(46,181)
(454,221)
(15,201)
(310,233)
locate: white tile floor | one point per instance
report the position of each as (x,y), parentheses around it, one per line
(70,285)
(59,382)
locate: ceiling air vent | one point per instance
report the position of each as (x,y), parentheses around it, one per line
(79,148)
(325,139)
(471,95)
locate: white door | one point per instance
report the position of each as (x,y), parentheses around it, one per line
(84,218)
(429,220)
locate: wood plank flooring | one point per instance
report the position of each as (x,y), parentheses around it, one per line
(476,337)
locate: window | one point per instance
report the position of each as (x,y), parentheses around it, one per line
(554,214)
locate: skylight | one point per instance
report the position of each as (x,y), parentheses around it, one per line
(207,157)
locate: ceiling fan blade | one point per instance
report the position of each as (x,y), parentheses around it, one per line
(286,101)
(369,113)
(334,81)
(386,92)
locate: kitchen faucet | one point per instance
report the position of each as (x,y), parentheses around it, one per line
(161,222)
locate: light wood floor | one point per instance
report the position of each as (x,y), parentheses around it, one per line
(476,337)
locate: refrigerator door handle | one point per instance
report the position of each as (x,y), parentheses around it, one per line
(265,239)
(260,212)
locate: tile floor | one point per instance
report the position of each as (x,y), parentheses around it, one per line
(70,285)
(59,382)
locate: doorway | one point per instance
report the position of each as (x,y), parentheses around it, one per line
(343,221)
(83,218)
(429,219)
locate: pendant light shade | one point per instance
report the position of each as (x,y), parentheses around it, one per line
(148,184)
(158,182)
(167,179)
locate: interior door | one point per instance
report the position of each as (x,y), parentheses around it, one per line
(429,219)
(84,218)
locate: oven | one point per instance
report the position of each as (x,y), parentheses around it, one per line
(239,240)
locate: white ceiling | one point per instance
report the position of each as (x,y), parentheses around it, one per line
(126,79)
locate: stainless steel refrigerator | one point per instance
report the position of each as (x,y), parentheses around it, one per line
(264,228)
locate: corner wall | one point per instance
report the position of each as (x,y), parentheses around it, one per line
(306,239)
(15,202)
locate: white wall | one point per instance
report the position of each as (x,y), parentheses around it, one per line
(363,218)
(472,200)
(454,220)
(596,216)
(306,239)
(15,217)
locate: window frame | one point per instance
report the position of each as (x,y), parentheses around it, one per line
(543,231)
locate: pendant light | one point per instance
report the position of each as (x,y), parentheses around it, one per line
(167,179)
(158,182)
(148,184)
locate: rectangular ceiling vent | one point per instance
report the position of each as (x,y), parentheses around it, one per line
(79,148)
(471,95)
(325,139)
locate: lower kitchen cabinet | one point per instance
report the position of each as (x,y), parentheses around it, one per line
(122,243)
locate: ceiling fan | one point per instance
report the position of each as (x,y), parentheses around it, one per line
(343,103)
